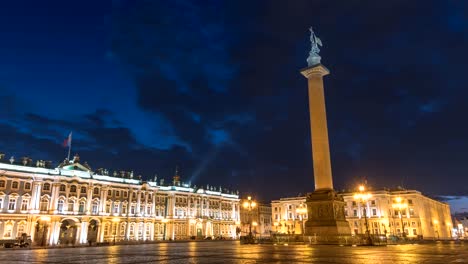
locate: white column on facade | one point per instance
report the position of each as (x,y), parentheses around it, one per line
(89,199)
(137,209)
(102,204)
(54,233)
(36,196)
(84,232)
(146,205)
(78,234)
(152,231)
(101,232)
(127,234)
(153,207)
(54,196)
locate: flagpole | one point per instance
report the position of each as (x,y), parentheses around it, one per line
(69,145)
(69,149)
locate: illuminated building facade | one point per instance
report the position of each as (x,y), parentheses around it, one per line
(421,216)
(286,215)
(259,217)
(71,204)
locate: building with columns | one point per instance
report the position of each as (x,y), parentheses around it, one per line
(387,211)
(72,204)
(259,217)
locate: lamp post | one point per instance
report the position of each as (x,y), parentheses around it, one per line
(276,226)
(249,204)
(362,198)
(400,205)
(302,211)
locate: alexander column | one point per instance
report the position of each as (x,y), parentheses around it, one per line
(326,219)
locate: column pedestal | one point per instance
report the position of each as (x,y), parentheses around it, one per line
(326,219)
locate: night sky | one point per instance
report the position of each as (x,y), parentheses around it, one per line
(214,88)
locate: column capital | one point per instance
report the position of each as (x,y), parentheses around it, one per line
(318,69)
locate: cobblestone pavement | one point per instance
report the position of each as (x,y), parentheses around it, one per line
(232,252)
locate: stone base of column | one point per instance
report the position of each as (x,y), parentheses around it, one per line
(326,222)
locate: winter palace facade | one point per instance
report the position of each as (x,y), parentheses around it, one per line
(71,204)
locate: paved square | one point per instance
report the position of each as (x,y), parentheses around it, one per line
(232,252)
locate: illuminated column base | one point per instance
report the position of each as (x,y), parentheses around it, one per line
(326,218)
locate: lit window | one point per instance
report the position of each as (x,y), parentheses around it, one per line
(71,206)
(81,207)
(46,187)
(12,204)
(44,205)
(60,206)
(95,207)
(8,231)
(24,205)
(20,230)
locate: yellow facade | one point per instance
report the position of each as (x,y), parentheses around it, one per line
(422,216)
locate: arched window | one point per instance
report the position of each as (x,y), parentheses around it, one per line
(44,205)
(2,184)
(73,189)
(27,186)
(60,206)
(20,229)
(96,190)
(95,207)
(14,185)
(83,189)
(63,187)
(71,205)
(8,231)
(108,207)
(81,208)
(46,187)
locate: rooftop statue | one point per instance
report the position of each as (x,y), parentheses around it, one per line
(314,57)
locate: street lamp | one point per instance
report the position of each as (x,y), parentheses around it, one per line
(362,198)
(400,205)
(302,211)
(249,204)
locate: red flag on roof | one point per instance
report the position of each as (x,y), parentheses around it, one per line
(67,141)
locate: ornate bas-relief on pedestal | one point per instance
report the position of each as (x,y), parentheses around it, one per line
(326,218)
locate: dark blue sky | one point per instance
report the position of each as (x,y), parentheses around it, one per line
(214,88)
